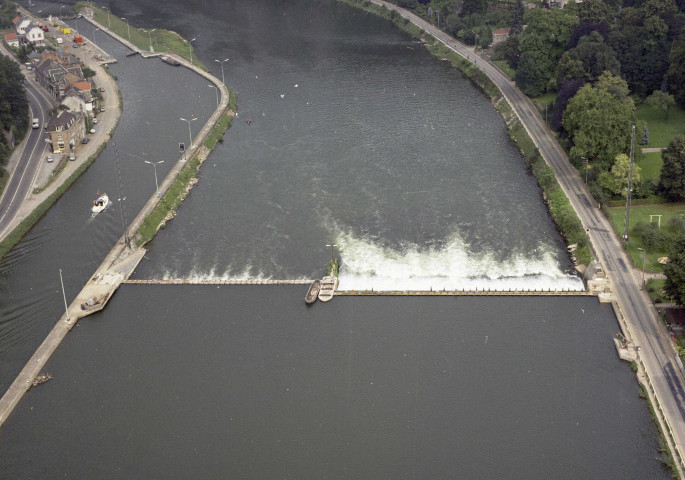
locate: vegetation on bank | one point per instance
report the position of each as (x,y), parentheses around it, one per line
(14,109)
(177,192)
(162,41)
(560,207)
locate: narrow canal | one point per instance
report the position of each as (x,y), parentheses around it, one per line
(361,139)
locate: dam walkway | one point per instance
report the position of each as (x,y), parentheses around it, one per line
(300,281)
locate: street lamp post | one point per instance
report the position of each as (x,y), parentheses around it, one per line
(128,28)
(223,81)
(644,254)
(154,166)
(216,90)
(66,308)
(190,135)
(94,33)
(331,245)
(60,12)
(585,162)
(149,33)
(109,25)
(190,50)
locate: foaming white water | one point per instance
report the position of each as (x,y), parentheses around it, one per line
(368,266)
(246,275)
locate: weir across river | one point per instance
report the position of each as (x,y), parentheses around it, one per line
(299,281)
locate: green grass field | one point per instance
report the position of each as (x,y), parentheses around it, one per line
(162,40)
(650,163)
(661,131)
(641,213)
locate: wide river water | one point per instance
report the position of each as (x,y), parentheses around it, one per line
(359,138)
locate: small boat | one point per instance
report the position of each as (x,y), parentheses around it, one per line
(328,286)
(170,61)
(313,292)
(100,203)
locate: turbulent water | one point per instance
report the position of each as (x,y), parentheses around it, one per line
(359,139)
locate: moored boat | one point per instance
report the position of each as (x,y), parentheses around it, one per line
(170,61)
(100,203)
(328,286)
(313,292)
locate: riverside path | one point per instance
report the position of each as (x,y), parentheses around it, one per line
(640,320)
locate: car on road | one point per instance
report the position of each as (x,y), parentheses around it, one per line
(50,159)
(85,140)
(35,123)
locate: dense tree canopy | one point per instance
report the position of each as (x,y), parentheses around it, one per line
(642,47)
(616,179)
(599,125)
(8,10)
(672,180)
(14,107)
(542,44)
(676,72)
(675,272)
(588,60)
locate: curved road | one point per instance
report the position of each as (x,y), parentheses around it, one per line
(32,151)
(655,348)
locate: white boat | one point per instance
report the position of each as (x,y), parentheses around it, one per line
(101,203)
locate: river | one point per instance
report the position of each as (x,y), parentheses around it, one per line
(359,138)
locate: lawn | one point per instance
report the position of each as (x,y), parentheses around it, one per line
(162,40)
(650,163)
(661,131)
(641,213)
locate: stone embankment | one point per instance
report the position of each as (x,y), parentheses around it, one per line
(118,265)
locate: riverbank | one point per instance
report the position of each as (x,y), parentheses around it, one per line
(559,207)
(39,202)
(123,258)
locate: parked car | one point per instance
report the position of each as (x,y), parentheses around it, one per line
(92,130)
(102,109)
(59,40)
(95,121)
(50,159)
(72,156)
(85,140)
(36,123)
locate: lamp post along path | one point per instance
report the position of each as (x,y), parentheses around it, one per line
(223,80)
(154,166)
(190,135)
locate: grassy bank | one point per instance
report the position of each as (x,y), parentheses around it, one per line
(161,40)
(560,207)
(661,131)
(175,195)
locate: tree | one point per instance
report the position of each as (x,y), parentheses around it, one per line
(541,45)
(14,107)
(588,60)
(672,179)
(616,180)
(676,72)
(516,25)
(642,47)
(661,100)
(594,11)
(566,91)
(599,125)
(675,272)
(8,10)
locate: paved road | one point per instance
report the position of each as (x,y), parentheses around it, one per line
(656,352)
(31,152)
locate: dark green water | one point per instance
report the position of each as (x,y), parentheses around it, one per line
(391,155)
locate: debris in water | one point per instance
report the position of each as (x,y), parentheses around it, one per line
(282,95)
(41,379)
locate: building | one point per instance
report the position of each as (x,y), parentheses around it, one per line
(34,35)
(11,39)
(20,24)
(56,70)
(66,129)
(78,97)
(500,35)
